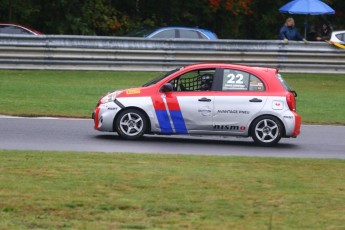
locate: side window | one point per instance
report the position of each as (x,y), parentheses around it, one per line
(201,80)
(236,80)
(255,84)
(341,36)
(165,34)
(189,34)
(13,30)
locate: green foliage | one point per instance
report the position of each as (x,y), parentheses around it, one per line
(242,19)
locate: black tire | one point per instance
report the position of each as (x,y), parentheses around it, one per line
(266,130)
(131,124)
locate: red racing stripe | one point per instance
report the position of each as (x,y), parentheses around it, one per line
(173,103)
(158,102)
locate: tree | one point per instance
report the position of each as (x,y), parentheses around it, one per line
(231,19)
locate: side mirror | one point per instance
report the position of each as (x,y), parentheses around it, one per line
(167,87)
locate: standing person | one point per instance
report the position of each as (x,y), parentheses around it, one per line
(324,33)
(290,32)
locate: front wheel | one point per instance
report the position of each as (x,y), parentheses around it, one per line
(266,131)
(131,124)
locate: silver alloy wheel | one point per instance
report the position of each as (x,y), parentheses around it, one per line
(131,124)
(266,130)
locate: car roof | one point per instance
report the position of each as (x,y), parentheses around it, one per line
(35,32)
(232,66)
(207,33)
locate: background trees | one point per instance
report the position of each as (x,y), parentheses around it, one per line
(232,19)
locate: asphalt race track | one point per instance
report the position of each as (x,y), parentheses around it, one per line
(79,135)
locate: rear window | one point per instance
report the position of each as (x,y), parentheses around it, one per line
(189,34)
(284,83)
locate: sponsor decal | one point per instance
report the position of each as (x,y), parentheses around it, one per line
(229,127)
(234,81)
(205,111)
(231,111)
(288,117)
(227,111)
(132,91)
(277,105)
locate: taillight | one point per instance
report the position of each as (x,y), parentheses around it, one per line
(291,101)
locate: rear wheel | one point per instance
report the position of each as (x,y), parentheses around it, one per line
(131,124)
(266,130)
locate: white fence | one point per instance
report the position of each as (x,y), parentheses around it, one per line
(120,53)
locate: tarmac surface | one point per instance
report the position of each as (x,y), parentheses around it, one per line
(63,134)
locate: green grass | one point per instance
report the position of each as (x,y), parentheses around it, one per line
(75,93)
(67,190)
(320,97)
(60,93)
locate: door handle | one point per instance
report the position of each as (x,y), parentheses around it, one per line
(204,99)
(255,100)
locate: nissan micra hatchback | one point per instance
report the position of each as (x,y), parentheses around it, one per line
(204,99)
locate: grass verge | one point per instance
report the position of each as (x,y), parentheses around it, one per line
(60,93)
(75,93)
(320,97)
(68,190)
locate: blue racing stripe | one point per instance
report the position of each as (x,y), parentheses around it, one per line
(164,121)
(178,121)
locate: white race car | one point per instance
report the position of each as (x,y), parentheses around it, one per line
(204,99)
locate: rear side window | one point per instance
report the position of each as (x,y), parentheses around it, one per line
(192,34)
(284,83)
(236,80)
(189,34)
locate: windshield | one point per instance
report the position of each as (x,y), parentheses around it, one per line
(141,32)
(155,80)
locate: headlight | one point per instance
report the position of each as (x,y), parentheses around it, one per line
(109,97)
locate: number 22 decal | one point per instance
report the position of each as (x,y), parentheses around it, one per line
(235,79)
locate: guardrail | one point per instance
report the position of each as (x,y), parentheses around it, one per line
(121,53)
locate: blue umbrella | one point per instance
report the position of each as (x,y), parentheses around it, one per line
(312,7)
(307,7)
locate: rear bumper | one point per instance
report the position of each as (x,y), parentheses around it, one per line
(298,122)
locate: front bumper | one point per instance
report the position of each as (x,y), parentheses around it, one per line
(103,117)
